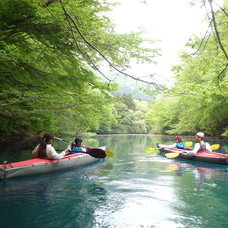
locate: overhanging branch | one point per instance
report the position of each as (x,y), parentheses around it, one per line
(157,86)
(216,29)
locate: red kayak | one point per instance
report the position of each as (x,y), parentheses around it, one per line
(202,156)
(39,165)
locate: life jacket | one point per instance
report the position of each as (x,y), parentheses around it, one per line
(202,146)
(180,145)
(75,148)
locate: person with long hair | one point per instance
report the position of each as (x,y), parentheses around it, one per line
(46,150)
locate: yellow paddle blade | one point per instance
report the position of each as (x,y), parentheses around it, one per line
(173,167)
(172,155)
(188,144)
(42,133)
(109,153)
(215,147)
(150,150)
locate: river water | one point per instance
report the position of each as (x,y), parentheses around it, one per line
(132,189)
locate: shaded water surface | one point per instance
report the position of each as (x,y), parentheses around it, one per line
(132,189)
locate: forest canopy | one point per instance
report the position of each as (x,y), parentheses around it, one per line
(52,53)
(198,101)
(50,58)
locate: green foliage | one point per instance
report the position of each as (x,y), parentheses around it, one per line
(201,90)
(163,116)
(129,117)
(48,56)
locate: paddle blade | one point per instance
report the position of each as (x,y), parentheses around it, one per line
(109,153)
(173,167)
(96,153)
(215,147)
(62,139)
(188,144)
(172,155)
(150,150)
(42,133)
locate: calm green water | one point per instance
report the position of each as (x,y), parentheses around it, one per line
(132,189)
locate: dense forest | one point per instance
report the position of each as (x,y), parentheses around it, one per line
(128,117)
(50,58)
(198,101)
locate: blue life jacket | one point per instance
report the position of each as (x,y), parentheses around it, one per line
(180,145)
(76,149)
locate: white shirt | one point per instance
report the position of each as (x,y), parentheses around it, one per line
(51,153)
(197,147)
(172,146)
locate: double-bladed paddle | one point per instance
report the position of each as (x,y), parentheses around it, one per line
(213,147)
(92,152)
(153,149)
(96,153)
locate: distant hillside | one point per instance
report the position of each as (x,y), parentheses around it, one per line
(130,86)
(134,92)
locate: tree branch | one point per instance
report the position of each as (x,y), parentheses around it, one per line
(219,76)
(216,30)
(84,54)
(53,108)
(223,10)
(157,86)
(202,40)
(17,82)
(49,3)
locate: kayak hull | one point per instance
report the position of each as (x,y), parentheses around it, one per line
(40,166)
(202,156)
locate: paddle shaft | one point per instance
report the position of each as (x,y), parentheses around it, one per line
(96,153)
(61,139)
(91,151)
(213,147)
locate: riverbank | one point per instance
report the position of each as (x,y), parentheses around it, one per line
(30,137)
(20,137)
(188,137)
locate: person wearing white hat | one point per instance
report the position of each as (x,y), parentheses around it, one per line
(200,134)
(200,144)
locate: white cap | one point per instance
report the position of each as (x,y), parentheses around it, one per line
(200,134)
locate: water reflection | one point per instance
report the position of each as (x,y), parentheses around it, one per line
(132,189)
(54,199)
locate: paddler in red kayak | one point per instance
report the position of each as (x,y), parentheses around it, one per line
(46,150)
(178,144)
(200,144)
(76,146)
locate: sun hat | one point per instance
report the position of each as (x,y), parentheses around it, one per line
(200,134)
(179,138)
